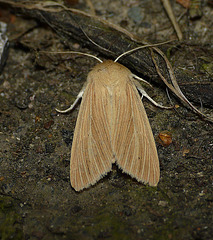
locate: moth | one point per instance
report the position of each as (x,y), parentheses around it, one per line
(112,127)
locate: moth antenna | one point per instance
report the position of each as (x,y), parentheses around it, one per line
(140,47)
(86,35)
(96,44)
(74,52)
(142,80)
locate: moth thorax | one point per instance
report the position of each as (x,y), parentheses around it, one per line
(110,73)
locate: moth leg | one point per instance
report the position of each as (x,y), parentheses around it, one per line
(144,94)
(80,95)
(141,79)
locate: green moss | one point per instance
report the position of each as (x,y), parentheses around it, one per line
(173,229)
(9,220)
(108,225)
(207,67)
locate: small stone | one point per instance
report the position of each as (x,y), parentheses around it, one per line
(163,203)
(136,14)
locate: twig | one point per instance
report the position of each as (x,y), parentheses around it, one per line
(168,8)
(92,9)
(55,7)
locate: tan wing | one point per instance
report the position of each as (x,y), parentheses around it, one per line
(133,141)
(91,154)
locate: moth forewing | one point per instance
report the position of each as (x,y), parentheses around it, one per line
(91,152)
(112,126)
(133,140)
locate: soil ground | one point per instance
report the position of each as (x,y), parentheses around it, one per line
(36,198)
